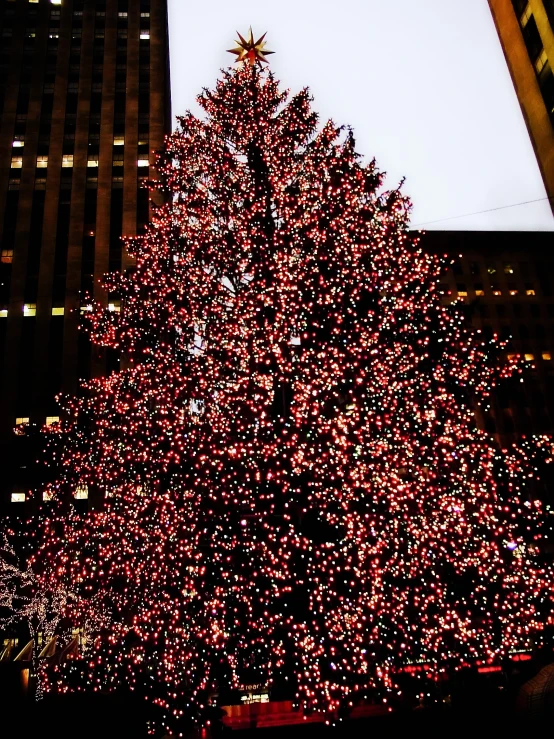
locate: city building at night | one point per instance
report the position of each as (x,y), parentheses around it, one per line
(526,32)
(506,281)
(84,101)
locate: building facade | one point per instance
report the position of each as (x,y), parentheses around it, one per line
(526,32)
(506,282)
(84,103)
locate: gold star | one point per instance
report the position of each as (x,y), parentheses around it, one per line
(250,51)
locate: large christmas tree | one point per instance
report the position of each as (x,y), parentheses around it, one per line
(286,481)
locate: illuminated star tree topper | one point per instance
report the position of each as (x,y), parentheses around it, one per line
(249,50)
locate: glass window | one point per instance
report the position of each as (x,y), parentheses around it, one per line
(532,38)
(81,492)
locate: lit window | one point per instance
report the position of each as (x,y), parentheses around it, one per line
(119,141)
(114,307)
(92,163)
(122,14)
(56,2)
(530,291)
(479,293)
(86,308)
(81,492)
(3,313)
(50,420)
(143,163)
(541,62)
(497,292)
(47,495)
(18,143)
(512,356)
(58,311)
(17,162)
(19,497)
(547,356)
(67,160)
(491,269)
(524,17)
(144,35)
(143,142)
(529,357)
(513,292)
(508,269)
(6,256)
(42,162)
(30,309)
(21,420)
(145,15)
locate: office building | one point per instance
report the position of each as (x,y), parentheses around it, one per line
(506,280)
(526,32)
(84,103)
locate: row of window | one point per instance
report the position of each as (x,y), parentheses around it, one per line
(529,357)
(19,140)
(67,161)
(91,182)
(496,290)
(81,492)
(30,310)
(491,268)
(537,52)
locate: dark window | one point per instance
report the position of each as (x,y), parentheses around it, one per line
(60,255)
(532,39)
(519,6)
(545,284)
(71,103)
(546,83)
(35,234)
(549,7)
